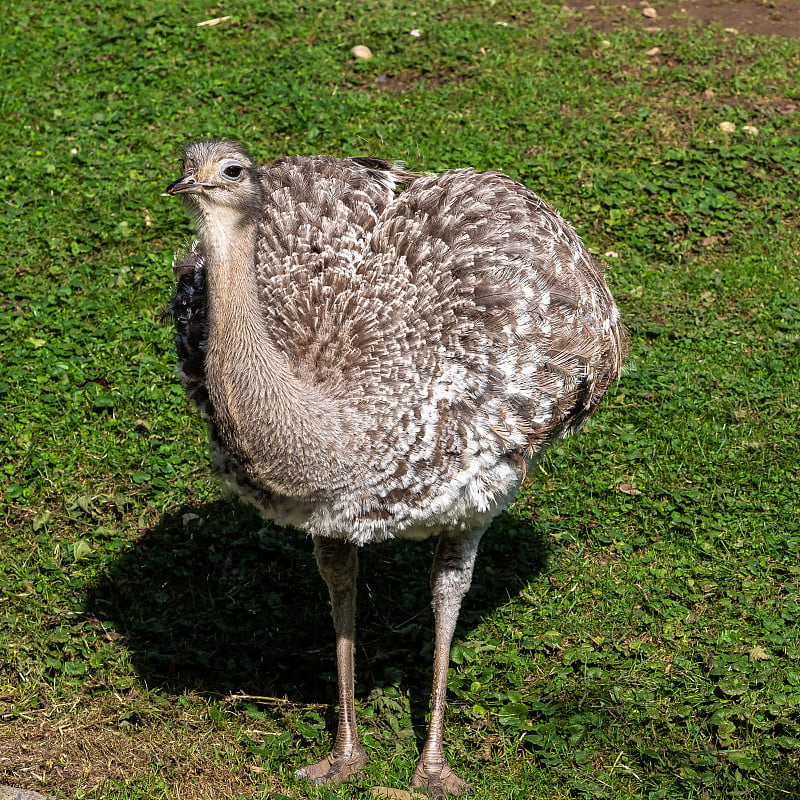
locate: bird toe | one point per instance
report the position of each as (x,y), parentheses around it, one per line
(333,769)
(439,783)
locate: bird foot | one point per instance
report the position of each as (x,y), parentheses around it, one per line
(438,781)
(334,768)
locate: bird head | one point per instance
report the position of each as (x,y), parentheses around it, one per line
(218,175)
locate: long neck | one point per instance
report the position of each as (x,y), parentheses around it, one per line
(288,439)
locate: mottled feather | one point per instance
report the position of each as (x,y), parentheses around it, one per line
(457,320)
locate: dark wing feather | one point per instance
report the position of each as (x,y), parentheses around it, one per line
(189,313)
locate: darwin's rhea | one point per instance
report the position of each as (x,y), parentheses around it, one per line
(380,355)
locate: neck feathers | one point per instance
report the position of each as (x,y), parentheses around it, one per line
(286,437)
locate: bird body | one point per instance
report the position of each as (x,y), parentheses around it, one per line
(433,340)
(379,355)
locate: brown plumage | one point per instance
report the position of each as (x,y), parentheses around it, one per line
(380,354)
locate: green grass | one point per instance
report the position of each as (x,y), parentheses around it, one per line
(633,628)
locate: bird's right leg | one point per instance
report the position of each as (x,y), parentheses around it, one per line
(338,565)
(451,576)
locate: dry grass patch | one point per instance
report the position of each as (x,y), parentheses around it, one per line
(92,750)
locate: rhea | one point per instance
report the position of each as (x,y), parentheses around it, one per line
(380,355)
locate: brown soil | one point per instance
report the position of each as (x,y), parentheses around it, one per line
(84,751)
(752,17)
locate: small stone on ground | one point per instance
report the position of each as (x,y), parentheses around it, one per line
(387,793)
(10,793)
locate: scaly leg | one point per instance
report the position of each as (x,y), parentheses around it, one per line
(338,566)
(451,576)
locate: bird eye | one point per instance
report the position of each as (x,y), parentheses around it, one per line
(233,171)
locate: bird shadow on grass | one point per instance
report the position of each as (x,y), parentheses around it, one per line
(215,600)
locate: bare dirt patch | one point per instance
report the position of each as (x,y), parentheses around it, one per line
(752,17)
(57,756)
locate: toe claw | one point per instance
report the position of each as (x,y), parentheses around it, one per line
(333,768)
(439,781)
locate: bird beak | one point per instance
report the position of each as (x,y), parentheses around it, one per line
(186,184)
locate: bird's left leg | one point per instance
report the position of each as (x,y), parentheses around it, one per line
(451,577)
(338,565)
